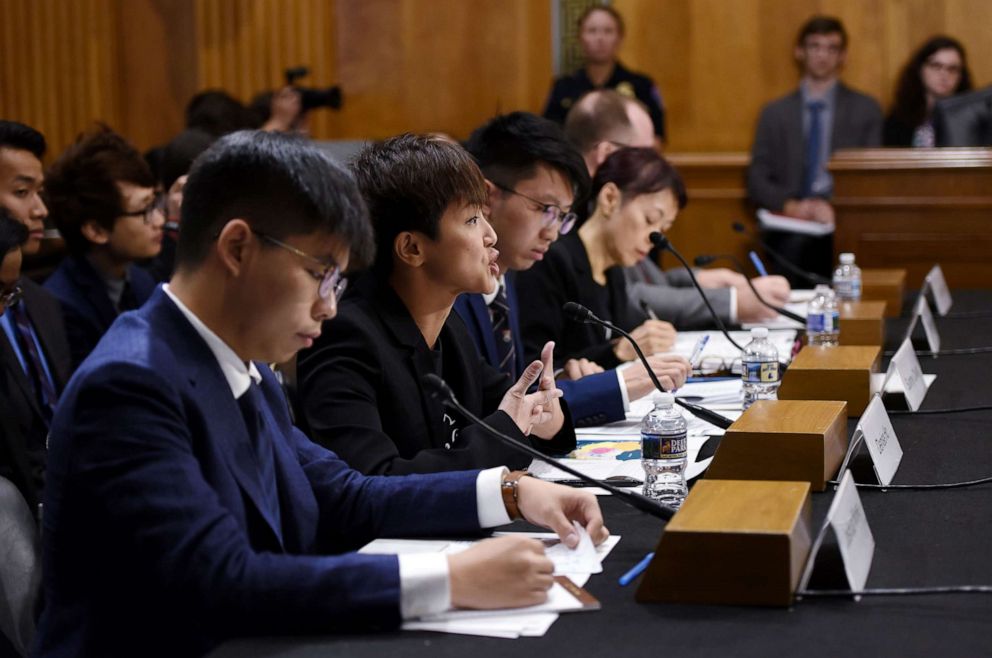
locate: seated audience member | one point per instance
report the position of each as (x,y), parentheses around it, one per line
(937,70)
(601,31)
(21,463)
(103,199)
(635,192)
(183,508)
(360,385)
(34,351)
(796,135)
(533,177)
(598,125)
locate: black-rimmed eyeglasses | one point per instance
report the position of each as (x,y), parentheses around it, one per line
(331,281)
(550,212)
(147,214)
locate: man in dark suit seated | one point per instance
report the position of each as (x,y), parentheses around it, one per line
(360,386)
(796,135)
(102,196)
(34,352)
(534,178)
(183,508)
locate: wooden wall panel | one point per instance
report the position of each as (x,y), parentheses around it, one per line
(718,61)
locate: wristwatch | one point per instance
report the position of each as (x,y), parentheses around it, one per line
(510,495)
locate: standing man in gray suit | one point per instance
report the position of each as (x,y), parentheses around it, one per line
(797,134)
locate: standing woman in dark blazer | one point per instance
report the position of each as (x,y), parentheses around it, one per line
(635,192)
(360,385)
(938,70)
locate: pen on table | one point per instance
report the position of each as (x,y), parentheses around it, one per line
(758,265)
(697,351)
(647,310)
(638,569)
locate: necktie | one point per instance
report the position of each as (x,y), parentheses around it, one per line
(505,350)
(251,404)
(814,145)
(43,386)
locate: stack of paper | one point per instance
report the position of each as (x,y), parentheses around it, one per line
(770,221)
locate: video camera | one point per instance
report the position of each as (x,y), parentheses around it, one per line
(311,98)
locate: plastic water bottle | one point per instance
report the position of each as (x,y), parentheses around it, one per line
(847,279)
(823,318)
(759,368)
(663,451)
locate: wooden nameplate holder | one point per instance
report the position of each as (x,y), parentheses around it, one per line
(733,542)
(792,440)
(832,373)
(862,323)
(887,286)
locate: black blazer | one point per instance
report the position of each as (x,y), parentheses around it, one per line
(565,275)
(24,427)
(360,393)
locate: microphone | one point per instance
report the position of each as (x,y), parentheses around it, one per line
(810,277)
(662,243)
(440,390)
(580,313)
(707,259)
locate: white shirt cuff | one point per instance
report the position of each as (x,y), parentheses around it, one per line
(624,396)
(733,305)
(489,498)
(425,587)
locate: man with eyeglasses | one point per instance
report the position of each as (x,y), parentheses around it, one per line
(102,196)
(184,509)
(534,178)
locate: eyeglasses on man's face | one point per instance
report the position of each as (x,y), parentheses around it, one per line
(330,279)
(550,212)
(147,214)
(11,297)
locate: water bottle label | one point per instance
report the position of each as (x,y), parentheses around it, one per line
(824,322)
(847,288)
(760,372)
(663,446)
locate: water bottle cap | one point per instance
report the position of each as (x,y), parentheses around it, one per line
(759,332)
(847,258)
(662,399)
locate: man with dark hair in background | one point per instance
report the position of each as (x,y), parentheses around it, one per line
(796,135)
(34,351)
(534,179)
(184,508)
(103,199)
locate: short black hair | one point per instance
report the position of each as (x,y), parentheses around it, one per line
(179,154)
(21,137)
(217,112)
(13,234)
(822,25)
(508,148)
(281,185)
(408,182)
(82,184)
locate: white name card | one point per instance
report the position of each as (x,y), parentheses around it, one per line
(908,369)
(846,518)
(880,437)
(929,324)
(938,286)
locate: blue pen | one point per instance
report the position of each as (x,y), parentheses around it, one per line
(697,351)
(638,569)
(758,265)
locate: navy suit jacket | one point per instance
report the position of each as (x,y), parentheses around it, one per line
(86,306)
(593,400)
(154,542)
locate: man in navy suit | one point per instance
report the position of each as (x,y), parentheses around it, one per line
(102,196)
(183,508)
(534,176)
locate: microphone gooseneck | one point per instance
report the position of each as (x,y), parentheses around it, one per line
(440,390)
(810,277)
(707,259)
(580,313)
(661,242)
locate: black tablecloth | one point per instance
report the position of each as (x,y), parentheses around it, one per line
(923,538)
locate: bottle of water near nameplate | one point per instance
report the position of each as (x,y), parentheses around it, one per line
(823,318)
(663,451)
(847,279)
(759,368)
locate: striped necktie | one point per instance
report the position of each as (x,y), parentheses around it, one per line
(506,352)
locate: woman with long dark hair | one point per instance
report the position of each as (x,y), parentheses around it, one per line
(937,70)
